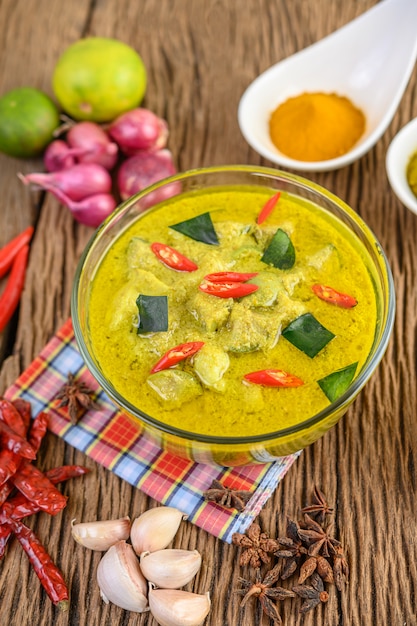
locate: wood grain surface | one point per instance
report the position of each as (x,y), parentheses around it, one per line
(200,56)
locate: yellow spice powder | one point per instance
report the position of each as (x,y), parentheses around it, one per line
(316,126)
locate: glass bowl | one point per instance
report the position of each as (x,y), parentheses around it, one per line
(234,450)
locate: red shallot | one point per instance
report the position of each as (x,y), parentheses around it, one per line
(58,156)
(139,129)
(90,211)
(77,182)
(144,169)
(89,143)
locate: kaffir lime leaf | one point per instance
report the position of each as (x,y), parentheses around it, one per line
(28,118)
(98,79)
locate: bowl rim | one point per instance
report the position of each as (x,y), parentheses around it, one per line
(343,401)
(399,152)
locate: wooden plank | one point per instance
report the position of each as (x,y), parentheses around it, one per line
(200,57)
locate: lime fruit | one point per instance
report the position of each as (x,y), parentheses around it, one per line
(98,79)
(28,118)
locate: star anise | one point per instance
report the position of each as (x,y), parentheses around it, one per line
(340,567)
(319,507)
(256,545)
(317,538)
(293,549)
(313,594)
(77,396)
(227,497)
(265,593)
(316,564)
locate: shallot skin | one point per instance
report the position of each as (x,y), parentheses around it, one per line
(144,169)
(139,129)
(77,182)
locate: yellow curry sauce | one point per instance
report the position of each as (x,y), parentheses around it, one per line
(240,335)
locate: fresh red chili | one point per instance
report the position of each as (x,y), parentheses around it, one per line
(177,354)
(328,294)
(10,297)
(14,442)
(46,570)
(274,378)
(268,208)
(172,258)
(228,290)
(30,481)
(10,250)
(230,277)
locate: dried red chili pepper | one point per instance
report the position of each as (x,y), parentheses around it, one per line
(20,506)
(230,277)
(177,354)
(274,378)
(38,430)
(328,294)
(172,258)
(46,570)
(11,416)
(10,297)
(30,481)
(9,252)
(25,410)
(228,290)
(268,208)
(14,442)
(10,461)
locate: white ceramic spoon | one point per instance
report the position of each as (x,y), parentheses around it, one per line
(369,60)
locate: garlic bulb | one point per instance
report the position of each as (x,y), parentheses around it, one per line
(101,535)
(155,528)
(170,569)
(120,578)
(171,607)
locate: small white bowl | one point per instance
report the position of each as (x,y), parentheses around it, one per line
(401,149)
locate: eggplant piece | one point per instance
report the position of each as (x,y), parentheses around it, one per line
(174,387)
(210,364)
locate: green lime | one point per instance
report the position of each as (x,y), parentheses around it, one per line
(28,118)
(98,79)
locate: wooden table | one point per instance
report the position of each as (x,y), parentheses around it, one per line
(200,56)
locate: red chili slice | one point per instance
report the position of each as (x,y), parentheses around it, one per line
(177,354)
(328,294)
(172,258)
(228,290)
(230,277)
(274,378)
(268,208)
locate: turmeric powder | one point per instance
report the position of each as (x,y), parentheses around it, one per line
(316,126)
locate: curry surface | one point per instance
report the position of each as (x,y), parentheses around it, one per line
(326,253)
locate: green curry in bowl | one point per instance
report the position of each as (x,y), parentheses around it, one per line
(263,325)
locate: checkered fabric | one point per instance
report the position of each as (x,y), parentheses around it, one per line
(110,438)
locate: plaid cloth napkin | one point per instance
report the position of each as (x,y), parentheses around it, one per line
(109,437)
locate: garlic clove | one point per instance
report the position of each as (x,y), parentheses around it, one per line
(100,535)
(120,578)
(170,569)
(171,607)
(155,528)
